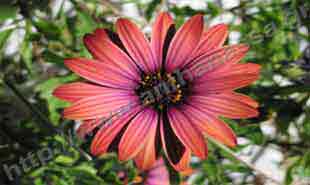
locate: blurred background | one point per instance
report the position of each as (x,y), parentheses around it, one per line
(38,147)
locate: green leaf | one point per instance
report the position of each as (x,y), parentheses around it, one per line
(47,28)
(54,104)
(7,12)
(213,9)
(151,8)
(4,35)
(85,24)
(65,160)
(52,57)
(26,48)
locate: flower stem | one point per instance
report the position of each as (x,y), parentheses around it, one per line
(238,158)
(42,120)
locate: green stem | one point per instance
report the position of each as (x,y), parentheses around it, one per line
(236,157)
(42,120)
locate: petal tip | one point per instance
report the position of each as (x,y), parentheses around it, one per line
(122,20)
(93,149)
(165,14)
(122,157)
(68,61)
(100,31)
(245,47)
(56,92)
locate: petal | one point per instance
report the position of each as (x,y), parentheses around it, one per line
(210,125)
(93,43)
(113,36)
(137,133)
(100,73)
(224,84)
(225,105)
(248,68)
(111,131)
(215,59)
(245,99)
(228,79)
(213,38)
(101,106)
(88,126)
(160,30)
(177,154)
(77,90)
(183,43)
(187,133)
(147,156)
(103,49)
(136,44)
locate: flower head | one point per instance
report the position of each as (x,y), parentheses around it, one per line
(165,94)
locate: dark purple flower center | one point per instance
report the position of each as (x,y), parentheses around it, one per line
(160,90)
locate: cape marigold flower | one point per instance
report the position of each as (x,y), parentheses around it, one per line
(165,93)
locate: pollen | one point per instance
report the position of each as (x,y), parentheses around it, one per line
(160,90)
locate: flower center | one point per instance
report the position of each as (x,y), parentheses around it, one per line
(161,90)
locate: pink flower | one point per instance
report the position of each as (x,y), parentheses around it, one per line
(156,175)
(163,94)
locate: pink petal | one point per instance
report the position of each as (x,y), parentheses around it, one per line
(101,106)
(213,38)
(103,49)
(227,79)
(111,131)
(209,124)
(248,68)
(216,59)
(225,105)
(146,158)
(88,126)
(136,44)
(187,133)
(77,90)
(159,32)
(137,134)
(245,99)
(93,43)
(183,43)
(224,84)
(177,154)
(100,73)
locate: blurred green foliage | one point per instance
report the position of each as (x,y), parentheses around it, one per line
(274,30)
